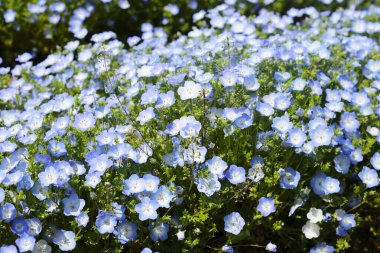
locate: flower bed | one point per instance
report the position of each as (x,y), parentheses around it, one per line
(248,134)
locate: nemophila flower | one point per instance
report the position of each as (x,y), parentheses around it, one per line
(105,138)
(194,153)
(271,247)
(100,164)
(126,231)
(56,148)
(296,137)
(19,226)
(216,166)
(8,249)
(298,84)
(84,122)
(163,196)
(7,147)
(82,219)
(159,232)
(73,205)
(243,121)
(233,223)
(42,247)
(282,124)
(349,122)
(369,177)
(93,179)
(134,184)
(356,156)
(2,194)
(321,136)
(208,185)
(25,243)
(228,78)
(266,206)
(7,212)
(265,109)
(342,163)
(322,247)
(189,90)
(146,250)
(255,174)
(105,222)
(281,102)
(330,185)
(347,221)
(48,177)
(65,240)
(251,83)
(146,115)
(191,130)
(235,174)
(290,178)
(165,100)
(375,161)
(147,209)
(151,182)
(311,230)
(34,226)
(9,16)
(315,215)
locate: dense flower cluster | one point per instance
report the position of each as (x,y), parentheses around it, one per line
(243,125)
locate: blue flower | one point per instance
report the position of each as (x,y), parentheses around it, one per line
(266,206)
(82,219)
(7,212)
(159,232)
(56,148)
(271,247)
(105,222)
(369,177)
(19,226)
(208,185)
(243,121)
(290,178)
(147,209)
(190,90)
(322,247)
(165,100)
(151,183)
(330,185)
(25,243)
(321,136)
(235,174)
(347,221)
(375,161)
(296,137)
(2,194)
(265,109)
(146,115)
(216,166)
(228,78)
(282,124)
(65,240)
(8,249)
(126,231)
(349,122)
(84,122)
(73,205)
(342,163)
(233,223)
(134,184)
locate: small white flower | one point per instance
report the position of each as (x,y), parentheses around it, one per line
(315,215)
(311,230)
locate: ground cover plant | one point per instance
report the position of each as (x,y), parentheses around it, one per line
(248,134)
